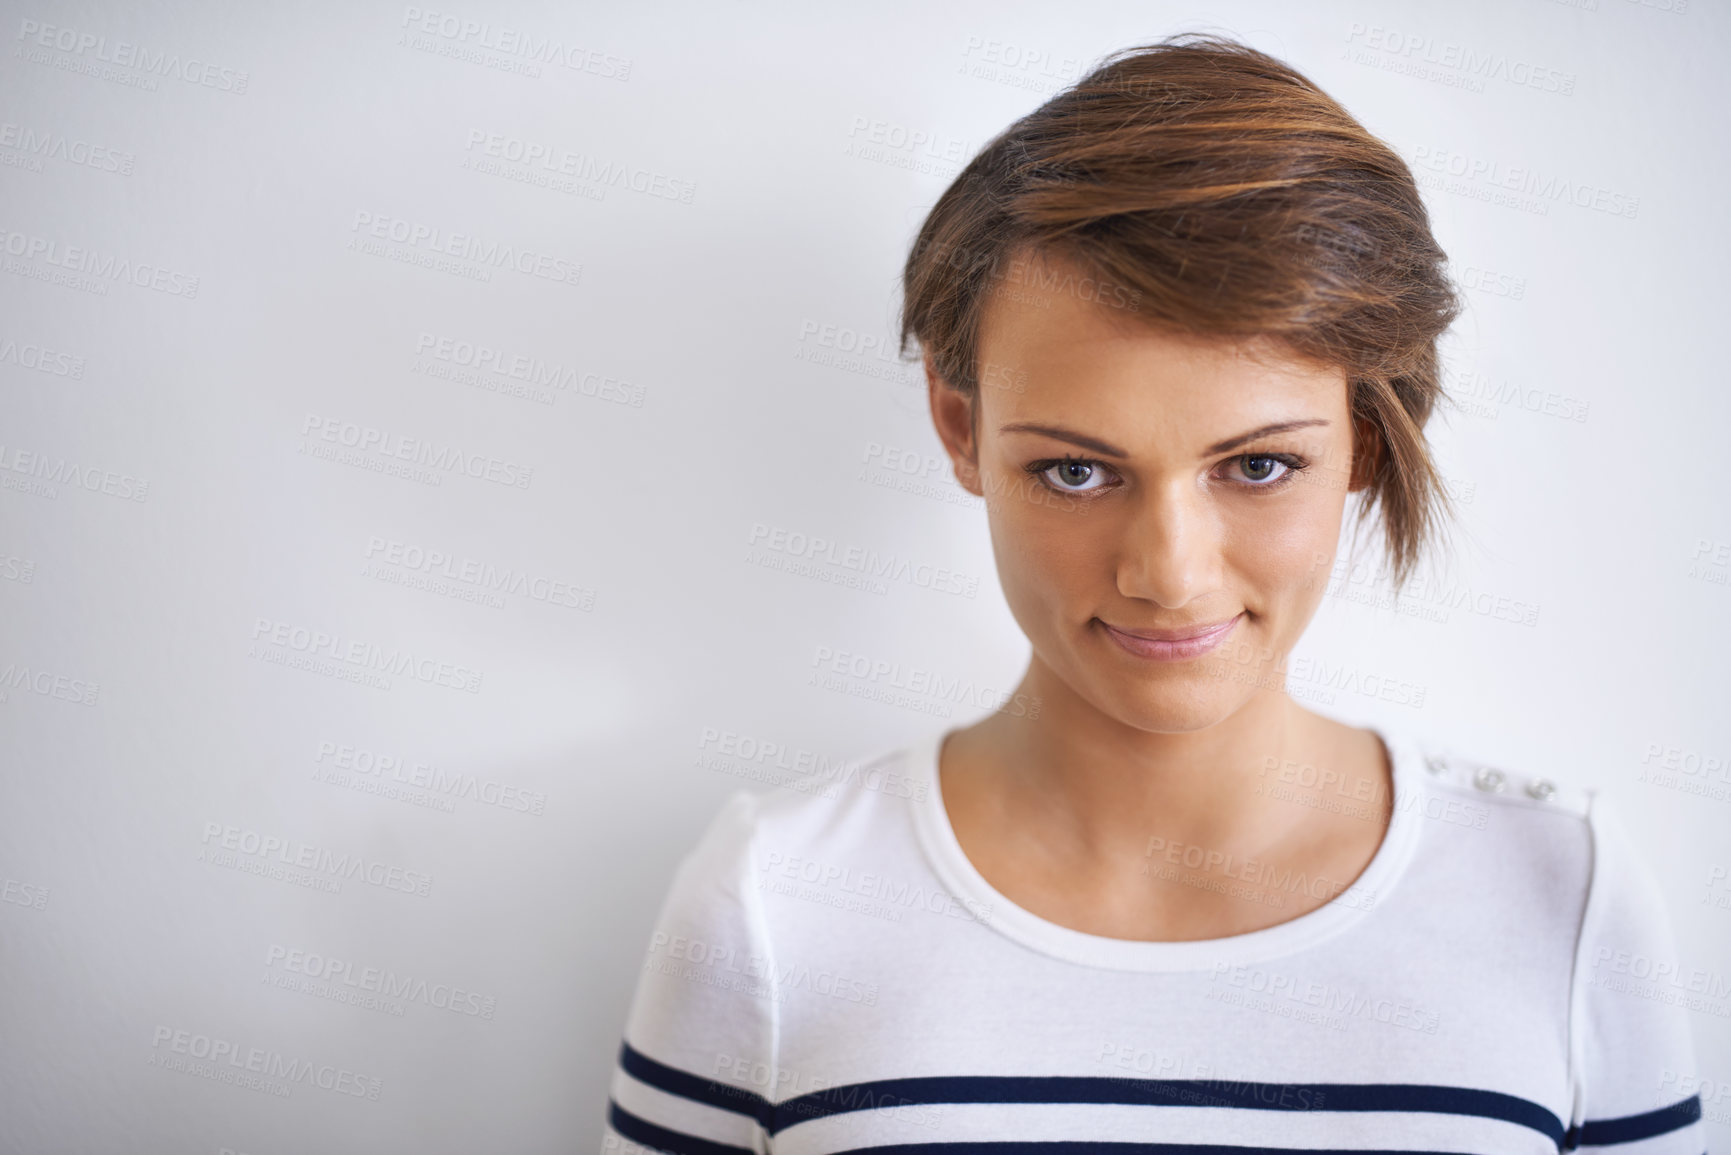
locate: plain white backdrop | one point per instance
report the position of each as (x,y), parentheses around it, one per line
(419,423)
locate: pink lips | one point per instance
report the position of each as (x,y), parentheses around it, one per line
(1173,645)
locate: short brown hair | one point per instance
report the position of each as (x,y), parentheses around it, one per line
(1212,190)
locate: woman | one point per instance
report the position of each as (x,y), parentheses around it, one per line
(1169,320)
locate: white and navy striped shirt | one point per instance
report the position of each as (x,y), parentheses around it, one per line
(829,974)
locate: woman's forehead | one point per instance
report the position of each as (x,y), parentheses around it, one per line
(1058,315)
(1054,365)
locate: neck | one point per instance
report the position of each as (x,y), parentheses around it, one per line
(1104,789)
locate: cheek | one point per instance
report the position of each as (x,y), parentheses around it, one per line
(1286,549)
(1043,547)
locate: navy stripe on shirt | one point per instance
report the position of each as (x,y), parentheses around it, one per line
(1169,1093)
(676,1142)
(1028,1147)
(695,1087)
(1072,1089)
(1629,1128)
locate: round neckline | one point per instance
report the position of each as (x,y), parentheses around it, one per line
(1367,893)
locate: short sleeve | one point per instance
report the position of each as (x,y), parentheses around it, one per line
(1635,1086)
(692,1073)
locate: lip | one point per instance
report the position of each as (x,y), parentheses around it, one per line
(1172,645)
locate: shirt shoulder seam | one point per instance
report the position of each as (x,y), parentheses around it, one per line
(1577,996)
(758,928)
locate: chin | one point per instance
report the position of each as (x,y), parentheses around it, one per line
(1188,702)
(1177,717)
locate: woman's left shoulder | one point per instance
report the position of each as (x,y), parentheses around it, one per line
(1527,828)
(1510,790)
(1537,818)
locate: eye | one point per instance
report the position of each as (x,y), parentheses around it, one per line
(1070,474)
(1268,470)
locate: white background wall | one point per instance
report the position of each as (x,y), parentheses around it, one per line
(721,361)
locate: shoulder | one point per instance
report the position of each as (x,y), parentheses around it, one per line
(842,804)
(1537,815)
(700,1058)
(1510,791)
(1528,800)
(1519,846)
(1537,824)
(826,809)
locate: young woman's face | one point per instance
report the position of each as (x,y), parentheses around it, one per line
(1138,483)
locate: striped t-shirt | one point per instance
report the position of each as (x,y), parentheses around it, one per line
(829,973)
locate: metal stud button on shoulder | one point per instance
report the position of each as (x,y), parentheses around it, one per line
(1542,789)
(1489,779)
(1436,765)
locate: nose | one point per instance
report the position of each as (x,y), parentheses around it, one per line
(1170,551)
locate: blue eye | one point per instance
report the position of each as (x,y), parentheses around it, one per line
(1268,472)
(1069,474)
(1264,471)
(1261,468)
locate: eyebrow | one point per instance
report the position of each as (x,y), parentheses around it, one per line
(1106,449)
